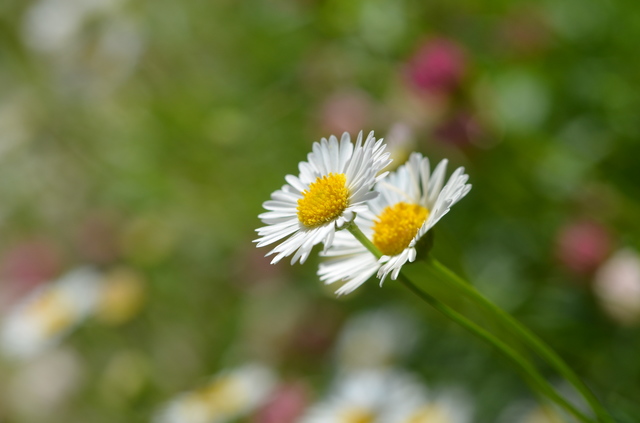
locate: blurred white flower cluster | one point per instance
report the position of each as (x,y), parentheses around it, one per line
(50,312)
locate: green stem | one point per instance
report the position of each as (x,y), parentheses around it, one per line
(538,345)
(538,381)
(357,233)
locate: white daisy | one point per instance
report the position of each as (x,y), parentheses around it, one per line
(443,407)
(368,397)
(334,184)
(230,395)
(412,200)
(375,339)
(49,313)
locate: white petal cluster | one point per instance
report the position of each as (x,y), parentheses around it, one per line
(349,261)
(387,396)
(376,339)
(230,395)
(361,164)
(49,313)
(376,396)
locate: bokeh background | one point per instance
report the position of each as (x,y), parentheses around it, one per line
(138,140)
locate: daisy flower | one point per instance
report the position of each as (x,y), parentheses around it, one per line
(411,201)
(375,339)
(372,396)
(334,184)
(49,313)
(230,395)
(444,407)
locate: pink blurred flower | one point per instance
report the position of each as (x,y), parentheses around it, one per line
(286,405)
(346,111)
(582,246)
(26,265)
(437,67)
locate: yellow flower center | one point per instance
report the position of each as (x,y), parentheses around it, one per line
(357,415)
(430,414)
(325,200)
(53,313)
(396,226)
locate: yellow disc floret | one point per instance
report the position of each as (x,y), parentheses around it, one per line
(396,226)
(325,200)
(356,415)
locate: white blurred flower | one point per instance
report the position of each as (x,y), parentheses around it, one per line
(445,407)
(374,339)
(43,385)
(334,184)
(52,25)
(91,45)
(230,395)
(412,200)
(617,287)
(49,313)
(368,397)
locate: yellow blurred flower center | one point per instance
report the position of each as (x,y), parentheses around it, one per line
(396,226)
(222,397)
(430,414)
(357,415)
(325,200)
(53,313)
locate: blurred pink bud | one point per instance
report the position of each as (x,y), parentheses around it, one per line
(462,130)
(617,287)
(437,67)
(28,264)
(583,246)
(347,111)
(286,405)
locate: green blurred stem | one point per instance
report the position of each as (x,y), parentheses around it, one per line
(537,381)
(357,233)
(442,272)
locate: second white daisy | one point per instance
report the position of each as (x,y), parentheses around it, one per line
(334,184)
(412,200)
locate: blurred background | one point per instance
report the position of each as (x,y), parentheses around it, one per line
(138,140)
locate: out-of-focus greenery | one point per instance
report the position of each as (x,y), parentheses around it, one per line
(146,135)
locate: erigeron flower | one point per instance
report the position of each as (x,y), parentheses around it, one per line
(373,396)
(375,339)
(411,201)
(230,395)
(46,315)
(443,407)
(334,184)
(617,287)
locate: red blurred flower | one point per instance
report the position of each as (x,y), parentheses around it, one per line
(582,246)
(437,67)
(286,405)
(26,265)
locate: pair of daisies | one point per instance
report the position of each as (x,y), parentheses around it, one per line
(341,184)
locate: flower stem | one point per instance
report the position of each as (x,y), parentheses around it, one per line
(357,233)
(442,272)
(538,382)
(529,370)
